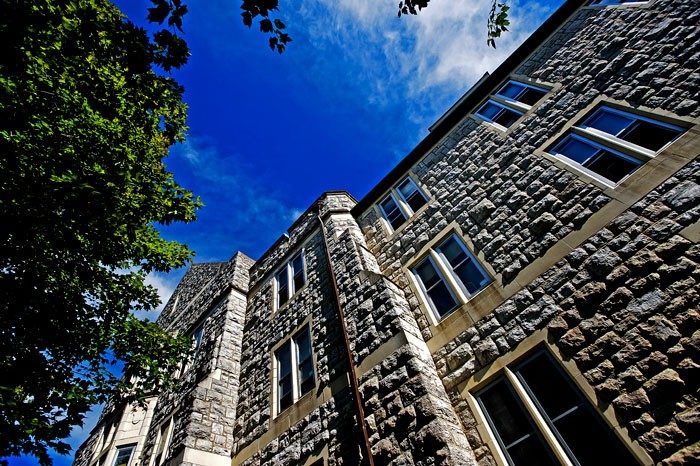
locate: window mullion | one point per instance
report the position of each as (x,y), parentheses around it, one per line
(294,350)
(290,281)
(610,141)
(547,433)
(513,104)
(448,275)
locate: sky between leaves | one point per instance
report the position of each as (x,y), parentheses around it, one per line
(355,91)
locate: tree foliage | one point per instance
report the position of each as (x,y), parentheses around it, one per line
(262,10)
(85,121)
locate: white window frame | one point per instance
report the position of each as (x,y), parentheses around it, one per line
(291,289)
(132,446)
(401,202)
(509,104)
(444,269)
(296,379)
(610,142)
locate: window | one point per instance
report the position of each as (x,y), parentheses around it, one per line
(124,455)
(290,279)
(615,2)
(450,275)
(165,434)
(537,415)
(509,103)
(611,144)
(295,369)
(402,202)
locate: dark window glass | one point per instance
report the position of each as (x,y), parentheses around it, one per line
(305,361)
(511,90)
(506,117)
(282,287)
(601,161)
(611,166)
(608,121)
(501,115)
(489,111)
(123,456)
(649,135)
(284,375)
(464,265)
(197,336)
(298,272)
(392,212)
(413,196)
(569,414)
(531,96)
(521,93)
(513,426)
(435,287)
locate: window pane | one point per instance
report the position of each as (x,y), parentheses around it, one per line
(427,273)
(198,333)
(392,212)
(569,413)
(123,456)
(435,287)
(531,96)
(608,121)
(513,426)
(453,252)
(649,135)
(413,196)
(488,111)
(575,149)
(442,299)
(506,117)
(298,272)
(302,341)
(284,360)
(611,166)
(306,376)
(511,90)
(282,287)
(471,276)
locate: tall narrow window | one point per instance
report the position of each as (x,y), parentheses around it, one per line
(165,434)
(290,279)
(124,454)
(294,369)
(402,202)
(450,275)
(509,103)
(611,144)
(548,392)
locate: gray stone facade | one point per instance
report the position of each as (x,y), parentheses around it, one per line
(603,276)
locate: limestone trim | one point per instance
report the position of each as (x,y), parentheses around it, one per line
(647,178)
(282,423)
(541,338)
(321,457)
(201,458)
(691,232)
(637,4)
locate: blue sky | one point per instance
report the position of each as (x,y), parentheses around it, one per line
(355,92)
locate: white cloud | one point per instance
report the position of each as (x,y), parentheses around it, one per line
(426,61)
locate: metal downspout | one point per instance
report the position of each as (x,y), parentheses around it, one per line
(357,398)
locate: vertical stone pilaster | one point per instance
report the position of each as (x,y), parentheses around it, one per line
(408,412)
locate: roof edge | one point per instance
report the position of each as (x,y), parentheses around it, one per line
(462,108)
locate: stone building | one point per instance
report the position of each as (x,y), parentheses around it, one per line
(520,289)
